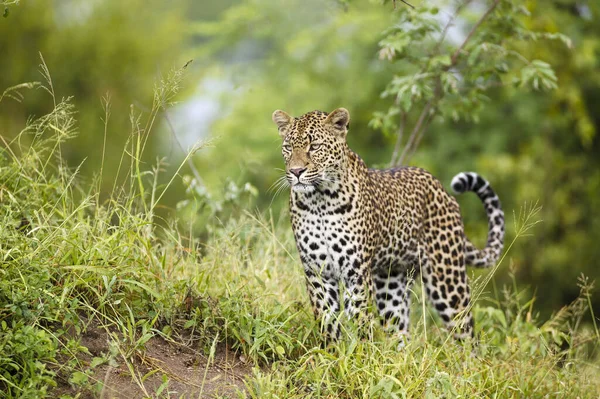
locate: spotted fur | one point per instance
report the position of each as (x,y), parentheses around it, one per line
(364,234)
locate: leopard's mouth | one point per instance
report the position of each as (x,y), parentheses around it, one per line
(303,188)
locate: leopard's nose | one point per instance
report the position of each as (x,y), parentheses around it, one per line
(297,171)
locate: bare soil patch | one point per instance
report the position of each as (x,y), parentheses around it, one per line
(189,372)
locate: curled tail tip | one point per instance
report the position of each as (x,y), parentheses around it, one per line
(471,181)
(460,182)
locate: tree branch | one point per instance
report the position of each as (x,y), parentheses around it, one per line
(423,122)
(408,4)
(451,22)
(415,131)
(454,58)
(400,134)
(419,137)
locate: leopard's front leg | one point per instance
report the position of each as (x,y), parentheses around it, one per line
(323,292)
(358,293)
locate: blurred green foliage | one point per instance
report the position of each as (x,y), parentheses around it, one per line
(491,105)
(95,51)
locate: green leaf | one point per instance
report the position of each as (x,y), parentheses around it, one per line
(280,350)
(78,378)
(189,324)
(441,60)
(97,361)
(539,75)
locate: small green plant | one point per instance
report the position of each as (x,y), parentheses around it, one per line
(26,352)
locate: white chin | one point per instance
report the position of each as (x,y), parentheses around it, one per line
(303,188)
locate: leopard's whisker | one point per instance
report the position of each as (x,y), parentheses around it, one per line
(282,184)
(276,183)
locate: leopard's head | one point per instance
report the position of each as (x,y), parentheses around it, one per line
(314,147)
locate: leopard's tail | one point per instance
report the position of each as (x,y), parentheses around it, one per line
(470,181)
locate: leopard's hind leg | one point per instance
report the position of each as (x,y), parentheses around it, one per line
(445,279)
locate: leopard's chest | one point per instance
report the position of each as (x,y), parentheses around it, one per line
(326,233)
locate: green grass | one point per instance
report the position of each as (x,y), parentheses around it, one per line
(71,261)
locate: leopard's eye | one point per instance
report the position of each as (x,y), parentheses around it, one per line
(287,147)
(314,147)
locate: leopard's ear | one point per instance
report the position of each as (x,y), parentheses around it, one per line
(339,120)
(283,121)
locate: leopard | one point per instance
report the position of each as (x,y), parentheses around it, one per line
(364,234)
